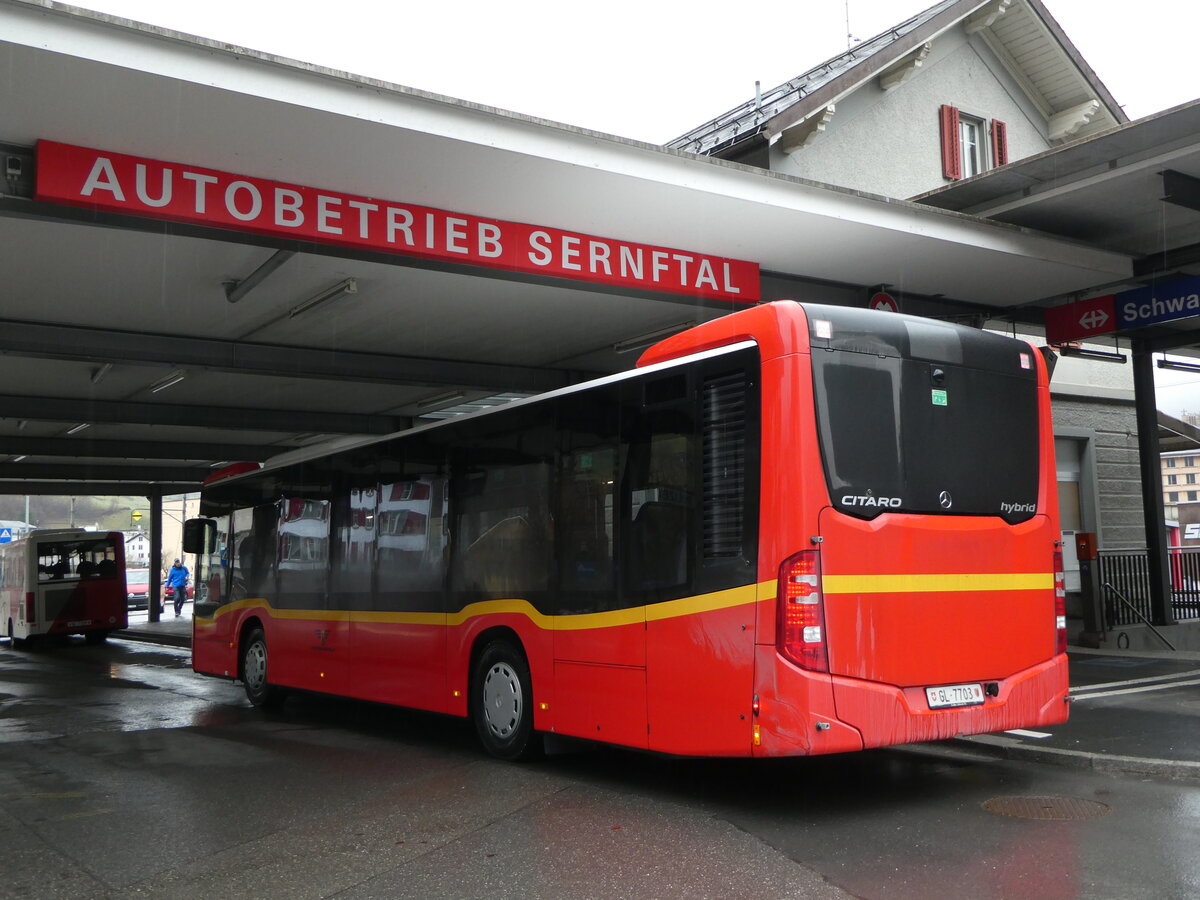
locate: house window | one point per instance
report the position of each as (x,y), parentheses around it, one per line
(1171,463)
(1173,496)
(1190,478)
(970,135)
(1191,495)
(965,143)
(1189,460)
(1172,479)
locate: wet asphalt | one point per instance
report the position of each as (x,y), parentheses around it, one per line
(124,775)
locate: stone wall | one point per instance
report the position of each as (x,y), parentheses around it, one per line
(1118,486)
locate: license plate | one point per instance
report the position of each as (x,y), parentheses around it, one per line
(80,623)
(954,695)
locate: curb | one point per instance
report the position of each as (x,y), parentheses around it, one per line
(1082,759)
(168,640)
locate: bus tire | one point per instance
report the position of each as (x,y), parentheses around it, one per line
(502,703)
(95,637)
(15,642)
(259,691)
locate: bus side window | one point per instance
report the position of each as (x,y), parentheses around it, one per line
(503,529)
(302,524)
(659,489)
(584,520)
(585,507)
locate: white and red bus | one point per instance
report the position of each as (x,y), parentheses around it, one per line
(59,582)
(797,529)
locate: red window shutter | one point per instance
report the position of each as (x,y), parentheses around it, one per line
(999,142)
(951,144)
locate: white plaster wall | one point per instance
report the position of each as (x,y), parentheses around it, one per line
(888,142)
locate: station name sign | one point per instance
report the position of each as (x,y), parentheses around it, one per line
(1126,311)
(116,182)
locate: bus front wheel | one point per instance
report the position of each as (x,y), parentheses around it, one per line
(502,703)
(259,691)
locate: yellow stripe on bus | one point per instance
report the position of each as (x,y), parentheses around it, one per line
(671,609)
(932,584)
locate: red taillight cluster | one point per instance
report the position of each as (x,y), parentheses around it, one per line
(31,608)
(801,616)
(1060,604)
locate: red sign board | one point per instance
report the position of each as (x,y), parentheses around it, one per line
(1084,319)
(884,302)
(116,182)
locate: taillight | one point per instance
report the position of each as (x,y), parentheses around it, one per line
(801,617)
(1060,605)
(30,608)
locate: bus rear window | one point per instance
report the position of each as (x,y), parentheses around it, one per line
(937,423)
(88,557)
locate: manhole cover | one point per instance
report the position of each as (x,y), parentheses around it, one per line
(1047,807)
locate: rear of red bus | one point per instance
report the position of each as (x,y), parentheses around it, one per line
(76,584)
(909,569)
(920,593)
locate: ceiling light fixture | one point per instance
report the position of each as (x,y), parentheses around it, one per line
(645,340)
(18,458)
(1178,364)
(78,428)
(1098,355)
(173,379)
(236,290)
(98,374)
(348,286)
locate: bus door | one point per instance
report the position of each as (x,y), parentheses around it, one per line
(399,636)
(214,642)
(600,628)
(316,635)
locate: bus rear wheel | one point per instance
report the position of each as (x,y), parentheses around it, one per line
(259,691)
(15,642)
(502,703)
(95,637)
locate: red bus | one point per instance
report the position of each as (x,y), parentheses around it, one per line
(63,582)
(797,529)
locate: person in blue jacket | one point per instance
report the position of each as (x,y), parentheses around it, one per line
(177,579)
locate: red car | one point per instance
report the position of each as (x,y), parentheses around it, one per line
(137,588)
(169,593)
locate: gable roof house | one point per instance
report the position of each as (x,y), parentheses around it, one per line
(962,88)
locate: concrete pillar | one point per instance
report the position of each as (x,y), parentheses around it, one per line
(1152,498)
(155,596)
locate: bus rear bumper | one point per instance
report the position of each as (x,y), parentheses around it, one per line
(888,715)
(808,713)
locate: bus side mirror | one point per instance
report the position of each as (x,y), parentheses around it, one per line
(198,535)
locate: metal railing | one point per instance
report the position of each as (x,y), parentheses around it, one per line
(1127,571)
(1125,602)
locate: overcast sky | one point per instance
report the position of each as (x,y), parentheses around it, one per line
(654,69)
(645,69)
